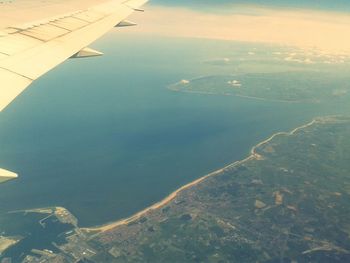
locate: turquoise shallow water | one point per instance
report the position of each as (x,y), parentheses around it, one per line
(105,138)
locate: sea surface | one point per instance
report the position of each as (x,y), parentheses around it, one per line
(105,138)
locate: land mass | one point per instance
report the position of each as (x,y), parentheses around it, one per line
(286,202)
(291,87)
(173,195)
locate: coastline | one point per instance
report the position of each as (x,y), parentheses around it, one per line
(234,95)
(172,87)
(252,156)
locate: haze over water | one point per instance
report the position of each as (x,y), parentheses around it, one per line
(105,138)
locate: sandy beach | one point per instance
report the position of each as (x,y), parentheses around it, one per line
(173,195)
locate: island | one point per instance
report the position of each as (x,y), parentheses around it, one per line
(290,86)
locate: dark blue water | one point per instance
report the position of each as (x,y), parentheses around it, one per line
(105,138)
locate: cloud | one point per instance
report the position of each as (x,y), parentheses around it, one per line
(185,81)
(327,31)
(234,83)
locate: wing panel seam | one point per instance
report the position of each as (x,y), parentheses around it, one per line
(13,72)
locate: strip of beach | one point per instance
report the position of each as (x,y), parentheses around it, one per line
(253,155)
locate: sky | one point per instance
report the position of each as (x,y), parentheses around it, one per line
(324,26)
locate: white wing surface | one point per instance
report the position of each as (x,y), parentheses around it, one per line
(36,36)
(6,175)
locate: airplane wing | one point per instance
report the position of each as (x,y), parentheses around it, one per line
(36,36)
(6,175)
(56,31)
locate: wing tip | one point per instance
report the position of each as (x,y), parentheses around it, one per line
(6,175)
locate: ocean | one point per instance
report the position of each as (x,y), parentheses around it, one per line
(105,138)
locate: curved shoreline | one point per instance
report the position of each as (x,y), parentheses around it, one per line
(173,87)
(233,95)
(173,195)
